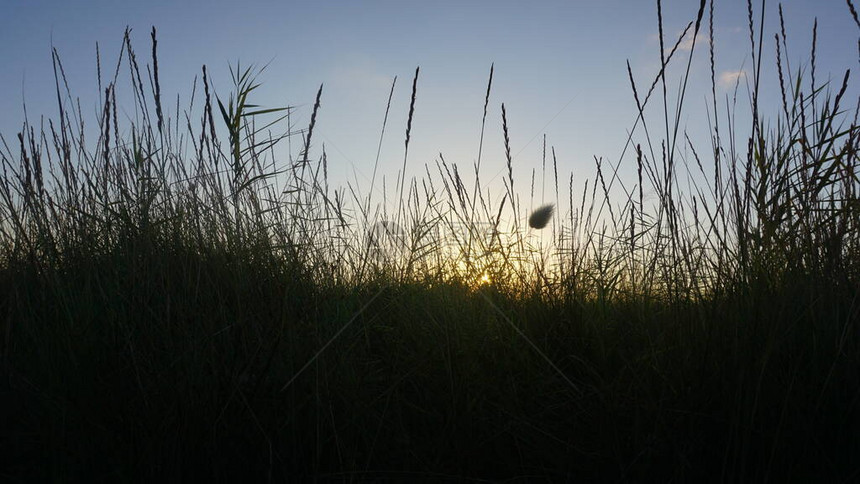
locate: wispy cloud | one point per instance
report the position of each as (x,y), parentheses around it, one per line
(729,78)
(361,72)
(687,41)
(685,44)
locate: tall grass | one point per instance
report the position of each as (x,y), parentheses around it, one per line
(180,304)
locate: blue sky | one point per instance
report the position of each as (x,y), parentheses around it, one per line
(559,68)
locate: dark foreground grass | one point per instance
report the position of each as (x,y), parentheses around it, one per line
(176,369)
(169,314)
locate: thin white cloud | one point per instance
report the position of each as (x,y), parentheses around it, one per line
(687,41)
(730,78)
(361,72)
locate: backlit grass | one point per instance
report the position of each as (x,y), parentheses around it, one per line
(178,303)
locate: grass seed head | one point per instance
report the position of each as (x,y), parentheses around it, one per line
(541,216)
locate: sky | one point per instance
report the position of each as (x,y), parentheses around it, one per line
(560,68)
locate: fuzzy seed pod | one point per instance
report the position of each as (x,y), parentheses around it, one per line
(541,216)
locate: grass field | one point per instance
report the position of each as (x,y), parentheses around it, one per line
(177,303)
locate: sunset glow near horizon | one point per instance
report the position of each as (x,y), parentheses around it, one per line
(560,68)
